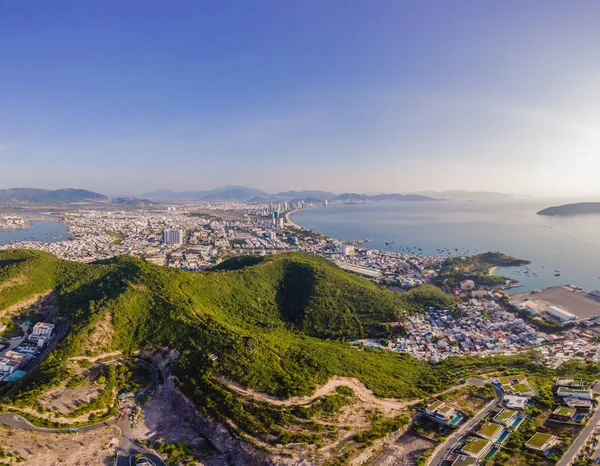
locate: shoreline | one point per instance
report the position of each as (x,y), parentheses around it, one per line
(291,223)
(492,270)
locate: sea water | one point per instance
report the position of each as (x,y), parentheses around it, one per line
(563,250)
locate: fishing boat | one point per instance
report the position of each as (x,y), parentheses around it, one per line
(387,243)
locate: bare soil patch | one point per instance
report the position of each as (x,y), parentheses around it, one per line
(96,447)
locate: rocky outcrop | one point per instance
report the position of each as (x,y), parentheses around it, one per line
(234,448)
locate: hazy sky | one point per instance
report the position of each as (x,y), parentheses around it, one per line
(128,96)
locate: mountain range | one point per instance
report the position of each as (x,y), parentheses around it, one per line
(245,194)
(460,195)
(234,193)
(47,196)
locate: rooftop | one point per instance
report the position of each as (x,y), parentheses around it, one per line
(505,415)
(563,411)
(539,440)
(475,446)
(489,429)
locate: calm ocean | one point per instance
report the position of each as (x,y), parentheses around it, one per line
(569,245)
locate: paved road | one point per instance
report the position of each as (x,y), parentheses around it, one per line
(445,447)
(126,448)
(588,430)
(19,422)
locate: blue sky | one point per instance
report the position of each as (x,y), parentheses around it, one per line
(129,96)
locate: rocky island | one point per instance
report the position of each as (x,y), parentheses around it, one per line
(578,208)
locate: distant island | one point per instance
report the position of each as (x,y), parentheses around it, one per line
(46,196)
(579,208)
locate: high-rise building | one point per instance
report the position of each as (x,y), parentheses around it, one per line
(173,237)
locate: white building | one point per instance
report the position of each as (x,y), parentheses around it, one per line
(531,307)
(575,393)
(173,237)
(43,329)
(347,249)
(560,314)
(8,366)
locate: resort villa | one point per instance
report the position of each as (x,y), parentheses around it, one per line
(509,418)
(441,413)
(514,385)
(515,401)
(575,393)
(541,443)
(493,432)
(566,414)
(476,447)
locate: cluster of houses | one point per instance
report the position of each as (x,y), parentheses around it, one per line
(438,333)
(575,404)
(12,361)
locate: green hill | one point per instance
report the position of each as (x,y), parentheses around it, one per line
(276,324)
(46,196)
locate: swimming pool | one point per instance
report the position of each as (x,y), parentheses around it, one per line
(456,420)
(517,423)
(492,452)
(502,438)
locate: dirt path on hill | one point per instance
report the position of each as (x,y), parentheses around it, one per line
(96,358)
(25,303)
(363,393)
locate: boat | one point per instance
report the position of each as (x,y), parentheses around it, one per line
(387,243)
(557,274)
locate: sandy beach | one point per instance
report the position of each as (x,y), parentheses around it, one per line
(492,270)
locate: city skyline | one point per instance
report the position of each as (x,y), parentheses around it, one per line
(128,98)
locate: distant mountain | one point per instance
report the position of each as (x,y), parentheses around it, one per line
(382,197)
(460,194)
(225,193)
(47,196)
(132,201)
(306,194)
(578,208)
(263,200)
(256,196)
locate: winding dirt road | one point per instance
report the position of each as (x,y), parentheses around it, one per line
(363,393)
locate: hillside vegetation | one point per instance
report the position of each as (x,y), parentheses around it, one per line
(277,325)
(476,268)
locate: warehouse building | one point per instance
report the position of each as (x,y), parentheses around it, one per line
(560,314)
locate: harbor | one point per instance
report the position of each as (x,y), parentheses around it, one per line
(583,304)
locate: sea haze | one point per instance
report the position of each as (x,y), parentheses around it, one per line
(570,245)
